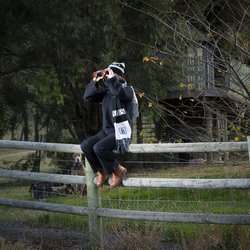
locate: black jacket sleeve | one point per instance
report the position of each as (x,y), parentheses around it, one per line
(92,93)
(117,89)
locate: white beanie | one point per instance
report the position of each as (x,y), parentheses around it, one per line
(117,67)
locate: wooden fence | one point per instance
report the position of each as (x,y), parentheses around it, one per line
(95,212)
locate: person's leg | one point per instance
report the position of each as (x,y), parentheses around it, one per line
(117,176)
(104,151)
(87,147)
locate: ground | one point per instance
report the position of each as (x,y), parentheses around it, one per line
(42,238)
(16,235)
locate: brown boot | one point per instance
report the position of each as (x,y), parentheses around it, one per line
(100,179)
(118,176)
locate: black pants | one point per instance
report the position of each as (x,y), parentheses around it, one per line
(98,150)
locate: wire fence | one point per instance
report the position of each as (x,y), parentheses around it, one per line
(59,230)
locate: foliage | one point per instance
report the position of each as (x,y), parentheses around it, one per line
(204,47)
(49,49)
(48,43)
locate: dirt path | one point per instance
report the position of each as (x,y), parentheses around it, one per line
(47,238)
(43,238)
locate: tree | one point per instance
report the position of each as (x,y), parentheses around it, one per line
(48,51)
(49,43)
(207,42)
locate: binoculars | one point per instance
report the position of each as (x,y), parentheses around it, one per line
(101,73)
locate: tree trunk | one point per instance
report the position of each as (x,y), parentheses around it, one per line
(13,126)
(37,161)
(26,123)
(36,125)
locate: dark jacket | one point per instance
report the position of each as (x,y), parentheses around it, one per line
(105,96)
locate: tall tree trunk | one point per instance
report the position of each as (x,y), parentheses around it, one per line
(13,126)
(37,162)
(36,125)
(26,123)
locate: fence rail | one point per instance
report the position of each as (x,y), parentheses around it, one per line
(188,183)
(43,206)
(200,218)
(198,147)
(175,217)
(32,176)
(95,212)
(134,182)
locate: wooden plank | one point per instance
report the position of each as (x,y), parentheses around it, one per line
(248,142)
(201,147)
(134,148)
(43,146)
(187,183)
(232,219)
(133,182)
(51,207)
(33,176)
(198,218)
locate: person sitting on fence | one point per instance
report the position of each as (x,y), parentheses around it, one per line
(119,105)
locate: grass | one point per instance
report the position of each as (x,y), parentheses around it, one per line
(176,200)
(184,200)
(10,154)
(157,199)
(10,246)
(213,171)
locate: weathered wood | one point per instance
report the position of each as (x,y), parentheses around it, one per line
(95,222)
(200,147)
(188,183)
(248,142)
(131,182)
(51,207)
(232,219)
(198,218)
(33,176)
(134,148)
(43,146)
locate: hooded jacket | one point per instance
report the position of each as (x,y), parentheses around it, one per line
(115,88)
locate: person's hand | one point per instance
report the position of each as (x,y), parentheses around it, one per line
(98,75)
(97,78)
(110,73)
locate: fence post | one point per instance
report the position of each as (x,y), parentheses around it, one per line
(248,140)
(95,222)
